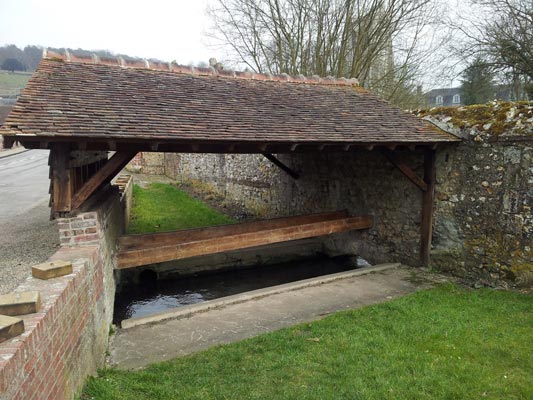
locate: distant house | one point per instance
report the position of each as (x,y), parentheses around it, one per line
(444,97)
(453,97)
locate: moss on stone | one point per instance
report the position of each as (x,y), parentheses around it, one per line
(493,118)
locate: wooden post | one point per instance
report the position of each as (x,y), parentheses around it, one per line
(61,178)
(428,197)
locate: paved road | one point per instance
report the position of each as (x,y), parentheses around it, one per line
(23,182)
(27,236)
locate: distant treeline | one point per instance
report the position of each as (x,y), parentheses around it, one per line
(28,58)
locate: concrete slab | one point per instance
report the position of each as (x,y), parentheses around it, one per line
(144,344)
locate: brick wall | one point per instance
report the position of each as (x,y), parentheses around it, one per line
(67,339)
(147,163)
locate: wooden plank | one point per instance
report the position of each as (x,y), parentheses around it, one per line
(151,255)
(167,238)
(10,327)
(61,178)
(406,170)
(113,166)
(51,270)
(20,303)
(426,228)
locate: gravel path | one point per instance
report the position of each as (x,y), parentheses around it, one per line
(27,239)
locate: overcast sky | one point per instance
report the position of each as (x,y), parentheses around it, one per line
(167,30)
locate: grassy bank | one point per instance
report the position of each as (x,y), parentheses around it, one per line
(161,207)
(444,343)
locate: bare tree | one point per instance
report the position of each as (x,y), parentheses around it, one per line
(375,41)
(500,32)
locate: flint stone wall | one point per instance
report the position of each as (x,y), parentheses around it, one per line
(363,182)
(483,224)
(483,219)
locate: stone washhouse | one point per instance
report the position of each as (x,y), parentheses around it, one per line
(318,158)
(83,108)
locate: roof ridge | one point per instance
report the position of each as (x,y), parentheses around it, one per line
(199,71)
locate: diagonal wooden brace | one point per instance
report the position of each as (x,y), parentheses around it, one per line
(104,175)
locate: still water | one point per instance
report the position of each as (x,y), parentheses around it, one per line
(151,297)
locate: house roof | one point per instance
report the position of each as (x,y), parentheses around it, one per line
(444,92)
(81,99)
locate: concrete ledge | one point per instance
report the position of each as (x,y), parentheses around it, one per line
(187,311)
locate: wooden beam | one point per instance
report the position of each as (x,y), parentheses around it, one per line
(406,170)
(293,174)
(129,242)
(186,249)
(61,178)
(426,228)
(113,166)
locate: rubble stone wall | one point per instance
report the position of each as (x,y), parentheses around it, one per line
(363,182)
(483,227)
(483,216)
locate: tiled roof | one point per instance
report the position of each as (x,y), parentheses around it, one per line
(100,99)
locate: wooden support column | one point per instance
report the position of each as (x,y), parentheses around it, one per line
(107,172)
(61,178)
(428,197)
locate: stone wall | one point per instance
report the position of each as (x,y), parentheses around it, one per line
(147,163)
(483,218)
(363,182)
(483,221)
(67,339)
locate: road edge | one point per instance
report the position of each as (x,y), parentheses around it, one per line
(12,152)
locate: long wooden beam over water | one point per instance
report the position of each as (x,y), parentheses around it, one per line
(138,250)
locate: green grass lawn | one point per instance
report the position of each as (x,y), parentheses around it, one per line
(9,82)
(444,343)
(161,207)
